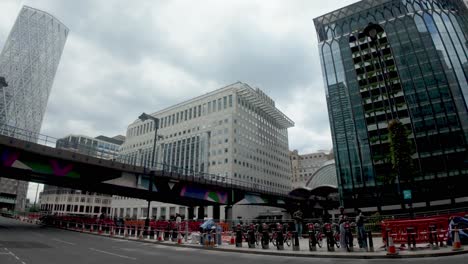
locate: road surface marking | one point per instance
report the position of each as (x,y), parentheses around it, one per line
(13,254)
(61,241)
(112,254)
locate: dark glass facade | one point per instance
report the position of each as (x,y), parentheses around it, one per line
(397,59)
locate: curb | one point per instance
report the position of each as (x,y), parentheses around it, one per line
(279,253)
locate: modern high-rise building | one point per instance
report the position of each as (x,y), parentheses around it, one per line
(405,60)
(235,132)
(61,200)
(303,166)
(28,63)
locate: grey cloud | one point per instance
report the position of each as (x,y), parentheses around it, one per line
(122,45)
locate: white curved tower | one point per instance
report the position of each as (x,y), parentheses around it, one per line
(28,63)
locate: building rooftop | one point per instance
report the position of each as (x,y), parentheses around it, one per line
(347,11)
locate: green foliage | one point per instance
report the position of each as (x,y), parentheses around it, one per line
(401,150)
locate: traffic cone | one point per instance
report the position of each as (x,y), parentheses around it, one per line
(391,250)
(456,241)
(125,232)
(160,237)
(233,239)
(92,228)
(100,230)
(140,236)
(179,239)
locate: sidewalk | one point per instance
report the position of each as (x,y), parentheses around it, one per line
(423,250)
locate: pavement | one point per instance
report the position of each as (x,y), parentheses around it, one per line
(24,243)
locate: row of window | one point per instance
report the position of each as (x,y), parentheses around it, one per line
(76,199)
(184,115)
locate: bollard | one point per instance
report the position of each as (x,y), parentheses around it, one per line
(387,235)
(295,241)
(148,235)
(370,245)
(411,238)
(265,238)
(433,237)
(186,232)
(251,238)
(238,237)
(280,240)
(166,235)
(219,238)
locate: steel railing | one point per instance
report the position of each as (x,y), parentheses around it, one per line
(163,168)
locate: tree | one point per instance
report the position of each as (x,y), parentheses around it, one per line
(401,150)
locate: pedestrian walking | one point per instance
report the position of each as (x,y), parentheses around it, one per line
(362,236)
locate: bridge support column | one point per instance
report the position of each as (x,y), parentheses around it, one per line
(201,212)
(228,213)
(191,213)
(216,212)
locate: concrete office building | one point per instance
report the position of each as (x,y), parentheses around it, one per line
(235,132)
(406,60)
(305,165)
(68,201)
(28,62)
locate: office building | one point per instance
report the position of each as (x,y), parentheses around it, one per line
(68,201)
(28,62)
(386,60)
(305,165)
(235,132)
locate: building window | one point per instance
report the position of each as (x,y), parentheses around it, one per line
(219,104)
(225,102)
(230,100)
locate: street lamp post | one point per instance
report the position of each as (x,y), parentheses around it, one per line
(144,117)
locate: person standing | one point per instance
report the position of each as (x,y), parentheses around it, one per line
(362,236)
(298,222)
(342,220)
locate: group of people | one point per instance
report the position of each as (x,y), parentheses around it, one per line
(342,219)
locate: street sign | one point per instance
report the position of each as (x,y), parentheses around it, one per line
(407,194)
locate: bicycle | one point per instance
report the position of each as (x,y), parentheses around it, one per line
(336,235)
(318,235)
(287,235)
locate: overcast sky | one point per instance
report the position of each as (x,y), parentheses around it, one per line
(126,57)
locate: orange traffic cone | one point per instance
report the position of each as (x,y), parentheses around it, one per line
(179,239)
(160,237)
(391,250)
(233,239)
(456,241)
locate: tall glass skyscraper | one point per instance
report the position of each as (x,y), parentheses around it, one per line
(28,63)
(405,60)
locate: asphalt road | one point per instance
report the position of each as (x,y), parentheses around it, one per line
(22,243)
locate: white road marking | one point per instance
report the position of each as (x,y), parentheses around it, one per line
(112,254)
(13,254)
(61,241)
